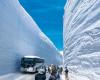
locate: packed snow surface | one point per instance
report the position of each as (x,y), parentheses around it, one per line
(82,39)
(20,36)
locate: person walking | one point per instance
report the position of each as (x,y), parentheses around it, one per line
(66,73)
(54,75)
(41,75)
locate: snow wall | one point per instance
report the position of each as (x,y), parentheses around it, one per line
(20,36)
(82,39)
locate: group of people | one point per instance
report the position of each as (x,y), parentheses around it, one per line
(53,72)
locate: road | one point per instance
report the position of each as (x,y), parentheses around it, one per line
(19,76)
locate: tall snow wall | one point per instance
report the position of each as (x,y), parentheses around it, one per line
(82,38)
(20,36)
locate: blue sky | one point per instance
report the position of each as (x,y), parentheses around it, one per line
(48,14)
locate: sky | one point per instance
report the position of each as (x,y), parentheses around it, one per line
(48,14)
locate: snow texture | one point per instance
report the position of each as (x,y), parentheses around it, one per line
(20,36)
(82,39)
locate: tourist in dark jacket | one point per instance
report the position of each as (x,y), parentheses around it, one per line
(66,72)
(41,75)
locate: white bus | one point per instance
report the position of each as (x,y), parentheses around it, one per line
(31,63)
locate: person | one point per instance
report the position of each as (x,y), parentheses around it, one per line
(52,77)
(49,69)
(60,70)
(58,76)
(53,69)
(41,75)
(66,72)
(58,73)
(44,68)
(53,72)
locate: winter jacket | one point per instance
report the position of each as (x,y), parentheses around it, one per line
(40,77)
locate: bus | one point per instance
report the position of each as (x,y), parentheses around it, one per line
(31,63)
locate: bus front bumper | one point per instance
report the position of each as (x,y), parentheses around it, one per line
(30,69)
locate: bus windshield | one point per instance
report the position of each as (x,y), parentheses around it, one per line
(27,62)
